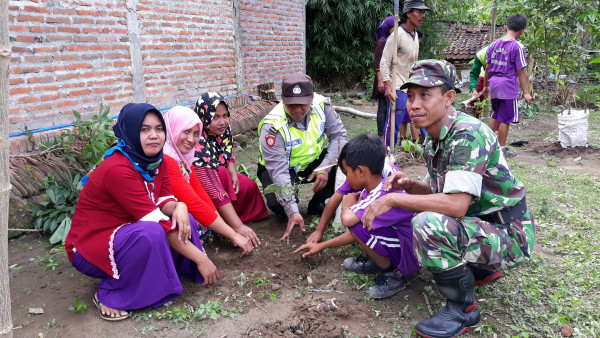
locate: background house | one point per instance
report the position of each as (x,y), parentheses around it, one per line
(464,42)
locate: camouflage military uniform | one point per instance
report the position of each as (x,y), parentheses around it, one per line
(467,159)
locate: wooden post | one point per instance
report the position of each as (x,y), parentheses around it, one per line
(394,64)
(546,70)
(494,10)
(5,314)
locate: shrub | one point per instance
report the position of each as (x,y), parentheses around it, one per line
(55,213)
(85,144)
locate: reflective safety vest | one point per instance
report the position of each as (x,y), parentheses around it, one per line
(301,147)
(482,56)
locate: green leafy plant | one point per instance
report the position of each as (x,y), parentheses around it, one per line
(414,149)
(242,169)
(368,81)
(87,141)
(482,105)
(359,281)
(79,306)
(286,192)
(213,309)
(16,268)
(265,278)
(528,111)
(84,145)
(54,214)
(52,263)
(593,95)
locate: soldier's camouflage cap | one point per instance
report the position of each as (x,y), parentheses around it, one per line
(432,73)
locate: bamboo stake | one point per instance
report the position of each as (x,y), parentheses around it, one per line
(6,326)
(394,65)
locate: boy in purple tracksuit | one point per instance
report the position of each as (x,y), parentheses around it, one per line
(505,70)
(388,243)
(336,199)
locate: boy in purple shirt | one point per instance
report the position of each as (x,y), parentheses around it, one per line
(505,70)
(336,199)
(388,242)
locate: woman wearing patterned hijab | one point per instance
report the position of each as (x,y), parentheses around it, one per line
(127,221)
(183,132)
(236,197)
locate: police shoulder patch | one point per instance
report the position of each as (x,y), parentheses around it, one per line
(461,154)
(270,139)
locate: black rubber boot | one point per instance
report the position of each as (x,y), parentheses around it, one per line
(461,312)
(483,276)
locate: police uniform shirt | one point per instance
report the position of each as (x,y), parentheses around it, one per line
(277,163)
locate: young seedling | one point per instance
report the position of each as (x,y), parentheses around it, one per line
(79,306)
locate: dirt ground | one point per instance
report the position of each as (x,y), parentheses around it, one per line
(277,293)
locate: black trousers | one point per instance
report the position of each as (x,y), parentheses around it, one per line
(317,202)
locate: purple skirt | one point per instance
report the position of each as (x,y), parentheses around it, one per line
(392,243)
(149,270)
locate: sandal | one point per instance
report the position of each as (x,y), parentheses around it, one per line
(107,317)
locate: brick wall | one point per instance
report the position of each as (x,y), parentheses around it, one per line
(64,58)
(273,40)
(71,54)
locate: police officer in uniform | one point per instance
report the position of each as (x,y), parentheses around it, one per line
(472,219)
(293,140)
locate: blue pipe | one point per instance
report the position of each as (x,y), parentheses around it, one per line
(112,117)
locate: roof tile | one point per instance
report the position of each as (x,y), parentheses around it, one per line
(465,41)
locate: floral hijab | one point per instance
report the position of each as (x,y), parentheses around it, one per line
(179,119)
(212,150)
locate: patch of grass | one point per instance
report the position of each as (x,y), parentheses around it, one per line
(145,330)
(594,129)
(357,125)
(358,280)
(213,309)
(561,282)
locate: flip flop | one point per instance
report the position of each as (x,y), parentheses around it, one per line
(105,317)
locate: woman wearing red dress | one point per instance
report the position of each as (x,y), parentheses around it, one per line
(127,221)
(183,132)
(236,197)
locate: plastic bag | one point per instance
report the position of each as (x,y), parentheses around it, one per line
(572,128)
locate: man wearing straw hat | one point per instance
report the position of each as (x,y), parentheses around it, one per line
(413,14)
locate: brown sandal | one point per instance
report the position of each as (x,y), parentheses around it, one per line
(105,317)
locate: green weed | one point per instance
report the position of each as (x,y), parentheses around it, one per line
(51,262)
(79,306)
(265,278)
(210,310)
(358,280)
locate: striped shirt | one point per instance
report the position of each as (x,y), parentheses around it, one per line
(388,169)
(394,217)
